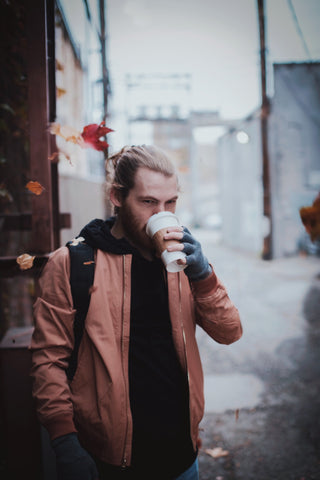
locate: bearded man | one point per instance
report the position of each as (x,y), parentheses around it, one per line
(133,407)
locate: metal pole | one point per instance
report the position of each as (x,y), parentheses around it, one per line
(265,108)
(105,79)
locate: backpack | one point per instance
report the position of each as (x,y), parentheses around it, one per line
(81,279)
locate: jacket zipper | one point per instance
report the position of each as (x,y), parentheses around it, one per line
(124,459)
(185,351)
(182,328)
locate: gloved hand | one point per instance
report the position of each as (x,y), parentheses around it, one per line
(73,462)
(198,266)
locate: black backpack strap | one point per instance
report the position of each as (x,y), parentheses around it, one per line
(81,279)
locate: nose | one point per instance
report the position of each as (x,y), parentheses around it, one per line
(159,208)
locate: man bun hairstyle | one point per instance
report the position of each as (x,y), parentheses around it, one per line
(122,166)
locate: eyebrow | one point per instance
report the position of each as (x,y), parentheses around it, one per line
(150,197)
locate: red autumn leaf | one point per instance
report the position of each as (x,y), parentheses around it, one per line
(91,135)
(35,187)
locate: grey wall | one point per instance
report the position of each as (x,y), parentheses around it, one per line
(84,199)
(239,171)
(294,144)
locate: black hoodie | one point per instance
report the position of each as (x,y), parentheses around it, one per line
(158,387)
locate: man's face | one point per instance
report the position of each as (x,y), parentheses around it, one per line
(152,193)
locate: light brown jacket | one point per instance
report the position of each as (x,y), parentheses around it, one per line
(96,403)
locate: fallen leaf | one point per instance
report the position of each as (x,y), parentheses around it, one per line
(25,261)
(76,241)
(91,135)
(35,187)
(59,66)
(61,92)
(53,156)
(89,262)
(310,217)
(216,452)
(70,134)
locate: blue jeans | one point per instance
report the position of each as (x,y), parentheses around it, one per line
(109,472)
(191,474)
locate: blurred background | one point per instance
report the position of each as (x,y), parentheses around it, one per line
(230,89)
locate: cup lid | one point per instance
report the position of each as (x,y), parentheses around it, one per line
(158,218)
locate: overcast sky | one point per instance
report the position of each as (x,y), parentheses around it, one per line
(216,41)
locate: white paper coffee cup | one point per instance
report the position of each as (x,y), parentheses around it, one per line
(156,228)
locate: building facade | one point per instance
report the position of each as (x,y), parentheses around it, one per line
(294,162)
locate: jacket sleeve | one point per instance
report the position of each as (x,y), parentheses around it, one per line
(51,345)
(214,310)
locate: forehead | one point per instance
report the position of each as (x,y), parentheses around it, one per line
(155,184)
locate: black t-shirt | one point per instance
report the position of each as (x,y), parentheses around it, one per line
(158,386)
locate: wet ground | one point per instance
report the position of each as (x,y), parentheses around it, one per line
(263,392)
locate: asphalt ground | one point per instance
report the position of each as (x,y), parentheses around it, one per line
(262,418)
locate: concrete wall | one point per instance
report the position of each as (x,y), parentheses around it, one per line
(294,145)
(239,173)
(84,199)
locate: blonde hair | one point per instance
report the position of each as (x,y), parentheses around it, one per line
(122,166)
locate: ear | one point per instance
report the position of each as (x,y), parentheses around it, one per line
(115,197)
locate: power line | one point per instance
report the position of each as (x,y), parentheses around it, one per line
(295,19)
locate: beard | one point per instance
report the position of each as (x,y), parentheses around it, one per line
(134,232)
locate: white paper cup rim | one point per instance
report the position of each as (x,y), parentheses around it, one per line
(161,220)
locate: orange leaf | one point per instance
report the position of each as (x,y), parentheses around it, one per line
(35,187)
(61,92)
(53,156)
(25,261)
(310,217)
(70,134)
(59,66)
(89,262)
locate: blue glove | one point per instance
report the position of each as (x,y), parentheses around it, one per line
(73,462)
(198,266)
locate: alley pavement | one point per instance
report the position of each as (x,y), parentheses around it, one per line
(262,418)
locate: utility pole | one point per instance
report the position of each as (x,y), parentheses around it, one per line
(265,109)
(105,77)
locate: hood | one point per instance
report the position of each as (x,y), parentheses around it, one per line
(98,235)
